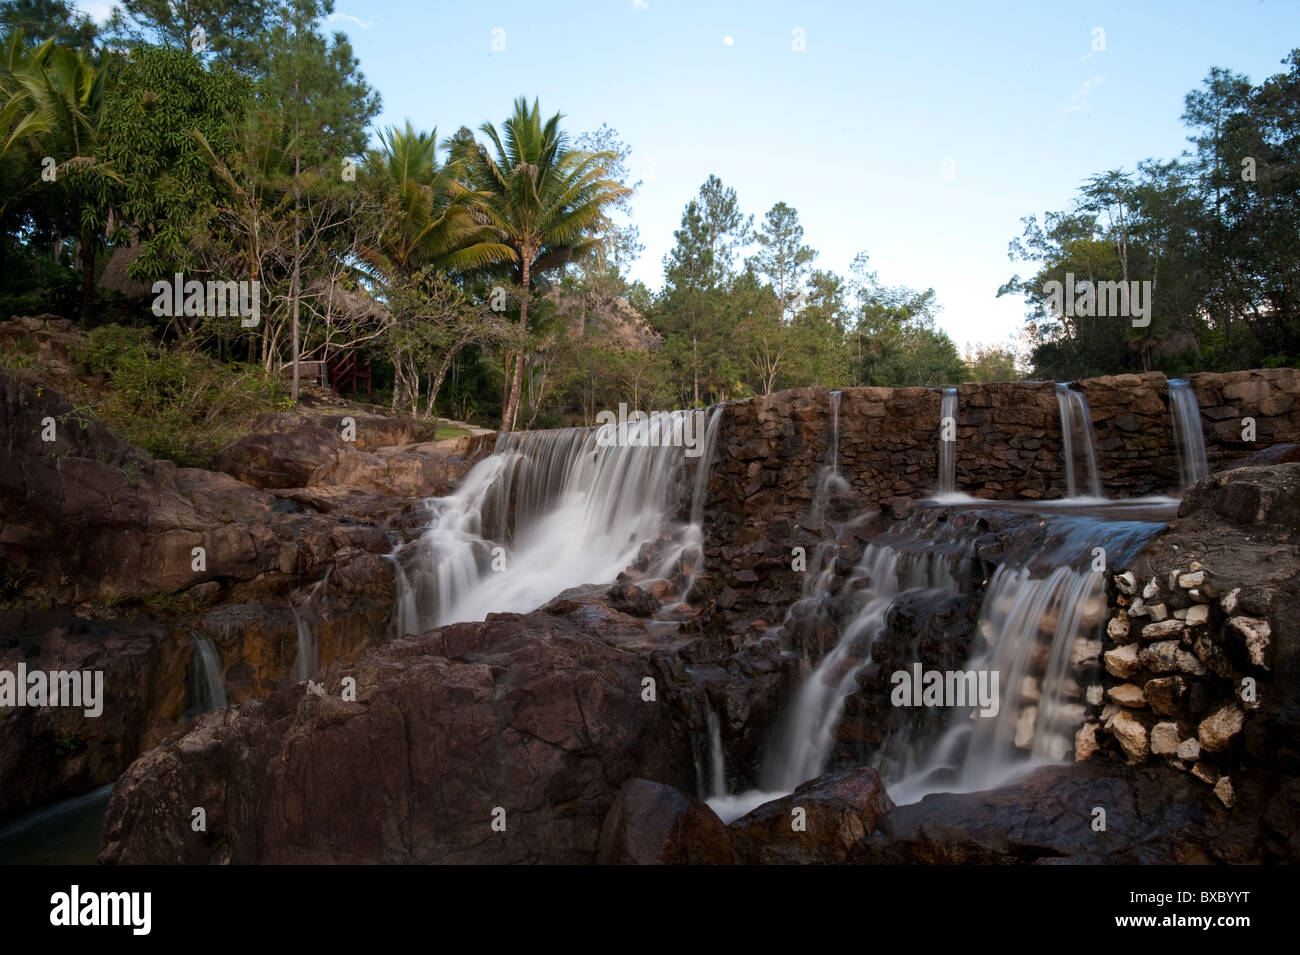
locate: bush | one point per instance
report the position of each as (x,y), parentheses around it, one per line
(176,403)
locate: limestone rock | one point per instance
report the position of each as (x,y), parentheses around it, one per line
(1128,695)
(1255,634)
(1132,735)
(1223,789)
(1217,730)
(1123,661)
(1164,694)
(1164,739)
(1162,630)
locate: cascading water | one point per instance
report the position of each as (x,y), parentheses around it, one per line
(717,763)
(829,480)
(206,687)
(1192,465)
(549,510)
(1077,440)
(948,442)
(1040,607)
(308,657)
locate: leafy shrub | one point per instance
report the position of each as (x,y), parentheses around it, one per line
(176,403)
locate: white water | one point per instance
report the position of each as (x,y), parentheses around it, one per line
(205,674)
(1077,440)
(717,762)
(1031,627)
(809,732)
(307,660)
(1192,465)
(948,449)
(584,502)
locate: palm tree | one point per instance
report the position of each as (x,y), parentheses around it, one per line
(427,216)
(66,92)
(545,200)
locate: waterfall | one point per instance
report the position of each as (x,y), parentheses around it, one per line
(206,687)
(809,733)
(1076,438)
(948,446)
(307,661)
(550,510)
(717,763)
(1038,630)
(1189,437)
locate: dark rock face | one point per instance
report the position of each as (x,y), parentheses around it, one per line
(1151,817)
(823,821)
(47,752)
(540,716)
(653,824)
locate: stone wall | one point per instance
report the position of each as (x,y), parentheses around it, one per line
(1009,443)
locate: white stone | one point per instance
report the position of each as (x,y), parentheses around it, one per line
(1126,583)
(1151,589)
(1139,608)
(1158,612)
(1094,694)
(1126,694)
(1118,628)
(1255,633)
(1189,749)
(1164,739)
(1132,735)
(1229,601)
(1197,615)
(1122,661)
(1223,789)
(1188,581)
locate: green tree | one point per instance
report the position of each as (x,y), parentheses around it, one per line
(782,257)
(48,20)
(547,201)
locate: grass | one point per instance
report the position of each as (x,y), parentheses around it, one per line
(446,430)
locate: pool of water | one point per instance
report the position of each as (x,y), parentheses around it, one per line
(64,833)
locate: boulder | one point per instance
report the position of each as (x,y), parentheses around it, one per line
(654,824)
(823,821)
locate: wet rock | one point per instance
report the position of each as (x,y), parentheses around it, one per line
(1154,815)
(653,824)
(839,810)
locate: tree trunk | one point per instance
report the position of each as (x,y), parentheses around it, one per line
(516,386)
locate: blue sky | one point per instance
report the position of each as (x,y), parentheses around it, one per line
(854,130)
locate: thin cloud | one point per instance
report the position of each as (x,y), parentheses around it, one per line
(364,24)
